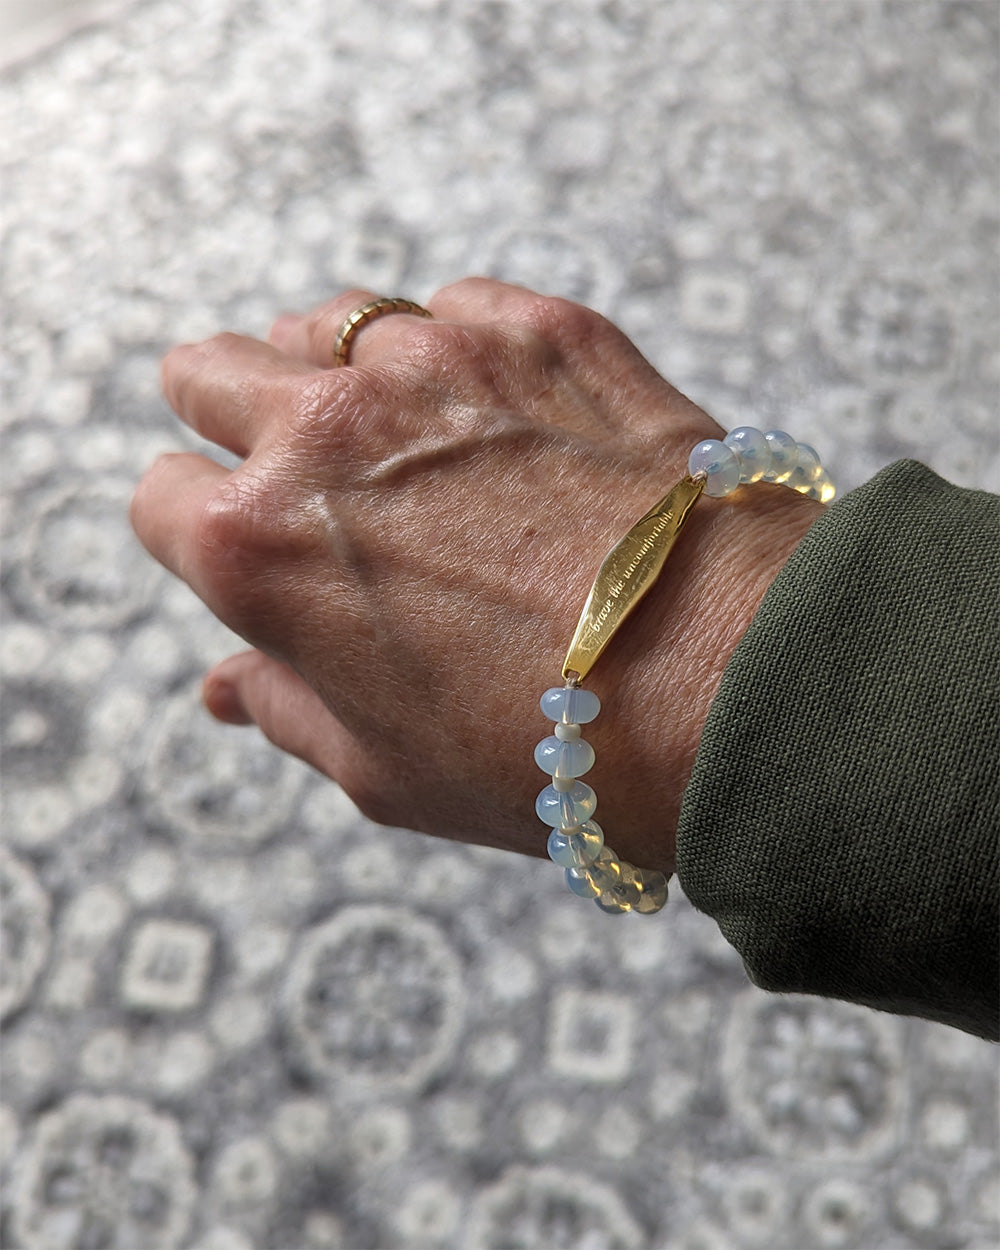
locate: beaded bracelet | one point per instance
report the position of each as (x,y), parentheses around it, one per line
(567,804)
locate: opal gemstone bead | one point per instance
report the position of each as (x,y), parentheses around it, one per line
(604,874)
(653,891)
(823,489)
(784,456)
(623,898)
(579,881)
(576,848)
(612,904)
(567,809)
(564,759)
(808,469)
(752,449)
(623,894)
(572,705)
(719,463)
(606,870)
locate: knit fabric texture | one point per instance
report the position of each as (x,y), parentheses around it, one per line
(841,819)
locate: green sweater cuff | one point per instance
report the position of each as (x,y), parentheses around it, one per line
(840,823)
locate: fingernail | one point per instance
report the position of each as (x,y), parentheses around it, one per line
(223,701)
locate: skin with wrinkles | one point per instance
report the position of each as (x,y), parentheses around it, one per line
(409,540)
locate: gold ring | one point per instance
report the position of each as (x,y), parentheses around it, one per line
(368,312)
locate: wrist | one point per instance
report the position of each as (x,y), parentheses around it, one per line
(658,680)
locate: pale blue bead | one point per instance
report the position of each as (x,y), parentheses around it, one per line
(654,891)
(621,897)
(824,489)
(808,469)
(572,705)
(784,455)
(753,451)
(564,759)
(606,870)
(613,904)
(576,849)
(719,463)
(566,810)
(578,880)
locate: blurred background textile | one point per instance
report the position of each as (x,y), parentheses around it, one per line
(237,1015)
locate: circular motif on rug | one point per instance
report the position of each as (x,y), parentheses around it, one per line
(375,998)
(107,1172)
(549,1207)
(81,565)
(813,1078)
(218,783)
(835,1215)
(24,924)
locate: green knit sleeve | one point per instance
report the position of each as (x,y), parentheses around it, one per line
(841,820)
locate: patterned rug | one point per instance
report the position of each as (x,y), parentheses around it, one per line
(236,1014)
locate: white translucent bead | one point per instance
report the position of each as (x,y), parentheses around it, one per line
(720,465)
(753,451)
(566,811)
(623,894)
(578,880)
(564,759)
(570,704)
(822,489)
(808,468)
(610,902)
(598,877)
(563,785)
(567,733)
(653,885)
(784,455)
(576,848)
(606,870)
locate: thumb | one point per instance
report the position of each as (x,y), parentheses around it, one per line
(253,689)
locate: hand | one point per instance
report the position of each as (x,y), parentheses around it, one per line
(409,540)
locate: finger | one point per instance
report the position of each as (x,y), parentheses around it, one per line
(229,388)
(280,334)
(593,351)
(483,300)
(166,507)
(253,688)
(560,322)
(313,338)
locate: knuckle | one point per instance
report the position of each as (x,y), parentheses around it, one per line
(330,413)
(469,359)
(225,531)
(204,357)
(462,287)
(243,534)
(192,368)
(439,346)
(563,322)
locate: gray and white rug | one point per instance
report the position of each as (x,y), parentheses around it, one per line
(238,1016)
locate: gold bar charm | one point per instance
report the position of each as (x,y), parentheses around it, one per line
(627,573)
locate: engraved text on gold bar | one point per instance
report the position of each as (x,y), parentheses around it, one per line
(627,573)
